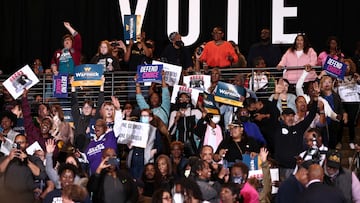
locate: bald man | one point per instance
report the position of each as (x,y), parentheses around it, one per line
(318,192)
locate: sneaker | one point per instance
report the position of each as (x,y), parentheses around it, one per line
(338,146)
(352,146)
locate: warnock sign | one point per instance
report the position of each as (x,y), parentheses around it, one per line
(232,18)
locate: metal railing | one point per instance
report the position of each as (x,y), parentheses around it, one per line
(121,85)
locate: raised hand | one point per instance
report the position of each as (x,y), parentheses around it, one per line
(263,154)
(50,145)
(279,87)
(115,102)
(103,164)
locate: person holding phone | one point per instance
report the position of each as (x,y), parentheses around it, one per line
(7,134)
(20,171)
(107,173)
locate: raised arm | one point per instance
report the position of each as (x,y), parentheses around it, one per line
(69,28)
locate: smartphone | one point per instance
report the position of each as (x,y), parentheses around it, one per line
(1,129)
(16,145)
(113,161)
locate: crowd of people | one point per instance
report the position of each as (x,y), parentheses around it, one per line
(191,154)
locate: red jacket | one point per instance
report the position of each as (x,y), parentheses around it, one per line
(75,52)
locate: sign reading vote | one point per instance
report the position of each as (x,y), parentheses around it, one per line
(88,75)
(149,73)
(60,85)
(335,68)
(229,94)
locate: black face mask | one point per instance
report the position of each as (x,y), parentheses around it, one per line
(244,118)
(183,105)
(179,43)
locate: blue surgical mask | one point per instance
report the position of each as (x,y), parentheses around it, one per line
(144,119)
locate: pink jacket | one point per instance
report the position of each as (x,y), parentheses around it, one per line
(290,59)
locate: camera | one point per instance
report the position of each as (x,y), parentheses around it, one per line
(314,152)
(114,44)
(200,50)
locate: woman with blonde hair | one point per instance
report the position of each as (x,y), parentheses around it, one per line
(104,57)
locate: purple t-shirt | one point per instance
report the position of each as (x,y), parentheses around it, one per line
(94,150)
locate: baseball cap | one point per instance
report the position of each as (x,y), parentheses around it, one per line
(288,111)
(236,123)
(333,159)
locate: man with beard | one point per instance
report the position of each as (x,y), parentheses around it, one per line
(109,184)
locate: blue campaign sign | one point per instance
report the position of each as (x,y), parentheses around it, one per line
(131,25)
(335,68)
(149,73)
(88,75)
(210,104)
(229,94)
(60,85)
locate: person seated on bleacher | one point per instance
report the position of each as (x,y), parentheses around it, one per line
(259,80)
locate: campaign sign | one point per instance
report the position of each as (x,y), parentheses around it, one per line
(247,159)
(149,73)
(335,68)
(132,28)
(229,94)
(23,78)
(210,104)
(178,89)
(60,85)
(172,72)
(88,75)
(349,92)
(134,133)
(200,82)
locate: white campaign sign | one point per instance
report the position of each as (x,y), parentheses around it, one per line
(133,133)
(349,93)
(22,79)
(172,72)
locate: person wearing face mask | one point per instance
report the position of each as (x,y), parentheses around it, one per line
(182,122)
(139,157)
(176,53)
(250,128)
(209,130)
